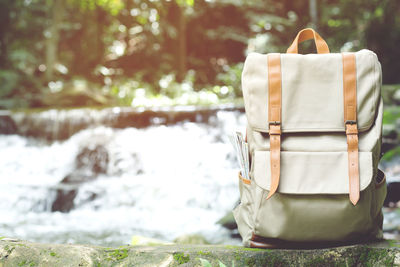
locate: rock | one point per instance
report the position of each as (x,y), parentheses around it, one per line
(396,96)
(23,253)
(90,162)
(138,240)
(393,194)
(191,239)
(228,221)
(7,124)
(64,201)
(54,124)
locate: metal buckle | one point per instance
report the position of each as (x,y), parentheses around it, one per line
(351,122)
(274,123)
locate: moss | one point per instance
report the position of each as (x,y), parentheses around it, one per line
(27,263)
(376,257)
(180,258)
(244,248)
(254,249)
(393,243)
(318,261)
(117,254)
(22,263)
(9,249)
(238,257)
(250,261)
(204,253)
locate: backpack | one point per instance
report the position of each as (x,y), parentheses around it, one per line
(314,131)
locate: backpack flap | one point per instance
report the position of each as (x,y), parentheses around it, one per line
(328,173)
(312,91)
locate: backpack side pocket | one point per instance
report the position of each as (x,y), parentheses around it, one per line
(243,212)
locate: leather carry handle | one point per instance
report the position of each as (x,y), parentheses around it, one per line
(307,34)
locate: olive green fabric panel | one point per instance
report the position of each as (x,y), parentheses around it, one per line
(310,218)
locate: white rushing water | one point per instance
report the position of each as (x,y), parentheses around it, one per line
(161,182)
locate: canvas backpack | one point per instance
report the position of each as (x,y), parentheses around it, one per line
(314,136)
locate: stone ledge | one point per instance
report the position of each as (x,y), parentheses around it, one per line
(23,253)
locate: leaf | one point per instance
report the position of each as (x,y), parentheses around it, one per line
(205,263)
(190,2)
(221,264)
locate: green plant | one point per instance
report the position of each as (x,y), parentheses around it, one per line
(181,258)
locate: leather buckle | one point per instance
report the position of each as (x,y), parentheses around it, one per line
(274,123)
(274,127)
(351,127)
(351,122)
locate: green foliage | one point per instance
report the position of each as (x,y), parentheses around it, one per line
(185,2)
(389,155)
(117,254)
(231,77)
(181,258)
(121,46)
(391,115)
(112,6)
(9,80)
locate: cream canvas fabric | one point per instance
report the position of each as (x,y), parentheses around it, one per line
(312,201)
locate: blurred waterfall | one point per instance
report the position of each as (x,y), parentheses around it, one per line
(103,184)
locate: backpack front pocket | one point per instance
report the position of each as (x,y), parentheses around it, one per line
(312,203)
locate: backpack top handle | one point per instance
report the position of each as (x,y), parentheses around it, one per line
(307,34)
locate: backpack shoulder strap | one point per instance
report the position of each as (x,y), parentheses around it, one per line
(350,120)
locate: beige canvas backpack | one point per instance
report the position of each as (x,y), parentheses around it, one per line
(314,136)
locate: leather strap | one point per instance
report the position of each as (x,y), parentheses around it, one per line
(246,181)
(274,118)
(307,34)
(350,120)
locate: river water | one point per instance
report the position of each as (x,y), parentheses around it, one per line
(160,181)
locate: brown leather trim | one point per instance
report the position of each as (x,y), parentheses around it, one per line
(246,181)
(254,244)
(350,120)
(307,34)
(275,243)
(274,118)
(349,86)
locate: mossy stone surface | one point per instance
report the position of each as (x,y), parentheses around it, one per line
(23,253)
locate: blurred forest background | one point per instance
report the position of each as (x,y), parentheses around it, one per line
(65,53)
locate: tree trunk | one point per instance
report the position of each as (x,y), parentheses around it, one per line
(313,13)
(181,53)
(53,37)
